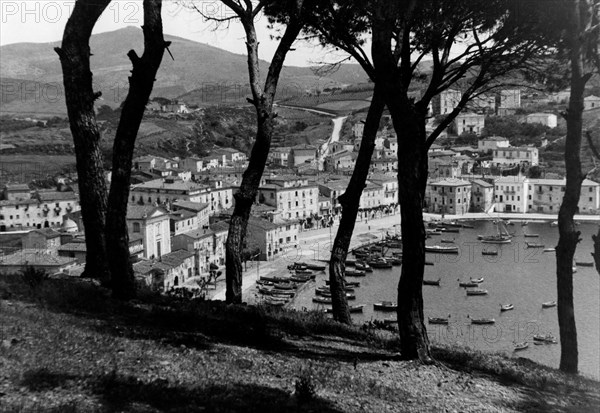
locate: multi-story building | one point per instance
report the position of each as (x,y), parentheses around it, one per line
(42,210)
(193,164)
(482,195)
(510,194)
(545,195)
(358,130)
(446,101)
(152,223)
(373,196)
(41,239)
(384,164)
(149,162)
(484,102)
(293,196)
(280,156)
(171,271)
(272,239)
(302,154)
(16,192)
(340,161)
(546,119)
(389,183)
(491,143)
(510,101)
(448,196)
(524,155)
(469,123)
(200,210)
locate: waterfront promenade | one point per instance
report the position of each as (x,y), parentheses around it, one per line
(315,245)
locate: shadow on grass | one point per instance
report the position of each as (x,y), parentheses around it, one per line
(118,392)
(200,324)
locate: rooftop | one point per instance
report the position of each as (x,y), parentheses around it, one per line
(36,258)
(142,211)
(482,183)
(176,258)
(169,184)
(450,182)
(46,232)
(190,206)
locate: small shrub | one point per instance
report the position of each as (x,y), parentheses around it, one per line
(34,278)
(306,390)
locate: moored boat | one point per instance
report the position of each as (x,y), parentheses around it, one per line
(432,282)
(549,249)
(441,249)
(363,266)
(447,241)
(477,280)
(467,284)
(545,338)
(321,300)
(534,245)
(313,267)
(531,235)
(489,252)
(354,273)
(506,307)
(554,223)
(352,308)
(380,263)
(549,304)
(439,320)
(348,283)
(521,346)
(385,306)
(477,291)
(395,260)
(482,321)
(584,263)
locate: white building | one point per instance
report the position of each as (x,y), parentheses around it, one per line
(545,195)
(152,223)
(448,196)
(510,194)
(492,142)
(591,102)
(293,196)
(446,101)
(45,209)
(469,123)
(546,119)
(524,155)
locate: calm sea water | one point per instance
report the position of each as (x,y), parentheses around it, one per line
(522,276)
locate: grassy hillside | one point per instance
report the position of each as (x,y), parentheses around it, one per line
(67,347)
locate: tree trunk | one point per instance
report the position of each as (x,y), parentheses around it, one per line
(140,86)
(412,181)
(74,56)
(244,199)
(350,201)
(568,234)
(596,253)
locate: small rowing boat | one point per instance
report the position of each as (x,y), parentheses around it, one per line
(439,320)
(534,245)
(477,291)
(584,263)
(385,306)
(531,235)
(352,308)
(432,282)
(440,249)
(506,307)
(521,346)
(549,304)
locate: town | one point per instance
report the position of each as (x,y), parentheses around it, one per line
(179,207)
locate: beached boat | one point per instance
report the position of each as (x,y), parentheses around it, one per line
(349,296)
(313,267)
(321,300)
(352,308)
(451,230)
(477,291)
(274,279)
(545,338)
(394,260)
(432,282)
(351,262)
(285,285)
(363,266)
(447,241)
(531,235)
(265,283)
(274,303)
(354,273)
(348,283)
(506,307)
(549,304)
(325,288)
(585,263)
(438,320)
(433,231)
(296,266)
(489,252)
(521,346)
(385,306)
(534,245)
(302,272)
(440,249)
(482,321)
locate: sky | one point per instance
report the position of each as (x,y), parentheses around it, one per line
(44,21)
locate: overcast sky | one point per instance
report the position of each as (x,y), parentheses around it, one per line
(44,21)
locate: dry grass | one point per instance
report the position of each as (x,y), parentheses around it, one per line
(67,347)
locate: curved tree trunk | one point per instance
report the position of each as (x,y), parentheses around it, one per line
(568,234)
(244,199)
(350,201)
(596,253)
(140,86)
(74,56)
(262,99)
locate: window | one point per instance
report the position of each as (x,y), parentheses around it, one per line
(590,189)
(136,227)
(590,199)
